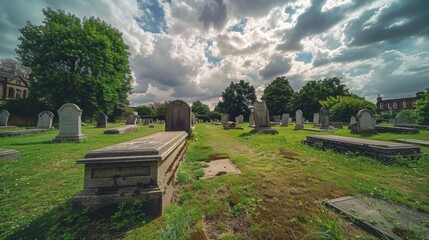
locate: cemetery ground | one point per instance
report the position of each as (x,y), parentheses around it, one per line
(279,194)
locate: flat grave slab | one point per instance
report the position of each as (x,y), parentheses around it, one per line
(385,129)
(120,130)
(6,127)
(24,132)
(219,167)
(413,141)
(373,148)
(413,126)
(7,154)
(382,218)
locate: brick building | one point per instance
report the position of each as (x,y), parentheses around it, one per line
(12,87)
(397,104)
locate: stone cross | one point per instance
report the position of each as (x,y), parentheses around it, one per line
(324,118)
(102,120)
(4,117)
(70,123)
(45,119)
(299,120)
(178,117)
(285,120)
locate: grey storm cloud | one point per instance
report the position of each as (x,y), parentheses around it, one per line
(254,8)
(213,14)
(347,55)
(277,66)
(400,20)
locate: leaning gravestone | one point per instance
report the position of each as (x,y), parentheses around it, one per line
(262,119)
(316,118)
(324,118)
(178,117)
(299,120)
(285,119)
(365,122)
(70,123)
(131,119)
(4,117)
(102,120)
(45,119)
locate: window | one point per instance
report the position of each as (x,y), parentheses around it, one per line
(11,93)
(395,105)
(381,106)
(414,103)
(404,104)
(18,93)
(24,93)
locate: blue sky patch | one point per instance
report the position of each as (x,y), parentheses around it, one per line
(359,71)
(153,16)
(290,11)
(239,27)
(304,57)
(208,54)
(402,46)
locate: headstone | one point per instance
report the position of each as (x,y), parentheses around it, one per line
(102,120)
(178,117)
(299,120)
(365,122)
(146,121)
(4,117)
(399,120)
(337,125)
(277,119)
(241,118)
(45,119)
(352,120)
(131,119)
(316,118)
(290,120)
(224,119)
(285,120)
(252,119)
(324,118)
(262,118)
(70,123)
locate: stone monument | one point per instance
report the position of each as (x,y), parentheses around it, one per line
(324,118)
(224,119)
(45,119)
(252,119)
(365,122)
(4,117)
(285,120)
(178,117)
(70,124)
(299,120)
(399,120)
(131,119)
(316,118)
(262,119)
(102,120)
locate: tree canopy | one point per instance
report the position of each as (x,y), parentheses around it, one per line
(145,110)
(341,108)
(422,109)
(236,99)
(278,95)
(83,62)
(307,99)
(200,109)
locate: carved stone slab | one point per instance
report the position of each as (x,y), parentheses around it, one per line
(7,154)
(123,129)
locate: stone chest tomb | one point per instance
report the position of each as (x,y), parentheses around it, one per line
(141,169)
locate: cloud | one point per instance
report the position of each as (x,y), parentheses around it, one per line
(213,14)
(276,67)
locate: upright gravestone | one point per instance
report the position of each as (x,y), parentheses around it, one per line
(131,119)
(70,123)
(285,120)
(316,118)
(262,118)
(224,119)
(178,117)
(352,120)
(240,119)
(4,117)
(252,119)
(45,119)
(277,119)
(399,120)
(299,120)
(324,118)
(102,120)
(365,122)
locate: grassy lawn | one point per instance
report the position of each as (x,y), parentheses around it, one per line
(278,195)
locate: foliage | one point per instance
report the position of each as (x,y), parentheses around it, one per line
(214,115)
(422,109)
(408,116)
(160,109)
(237,98)
(83,62)
(278,95)
(145,110)
(200,109)
(307,99)
(341,108)
(128,216)
(14,66)
(25,107)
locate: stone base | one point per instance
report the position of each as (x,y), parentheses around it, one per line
(124,129)
(4,127)
(68,138)
(264,130)
(7,154)
(379,149)
(97,198)
(24,132)
(384,129)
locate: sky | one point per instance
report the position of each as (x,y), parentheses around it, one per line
(192,50)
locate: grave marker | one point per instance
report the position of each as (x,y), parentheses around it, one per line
(324,118)
(299,120)
(4,117)
(262,118)
(285,120)
(178,117)
(70,123)
(102,120)
(45,119)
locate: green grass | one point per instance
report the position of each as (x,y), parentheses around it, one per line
(274,197)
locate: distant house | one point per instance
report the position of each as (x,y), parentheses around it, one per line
(12,87)
(397,104)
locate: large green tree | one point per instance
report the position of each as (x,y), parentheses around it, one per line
(341,108)
(236,99)
(278,96)
(83,62)
(144,110)
(307,99)
(422,109)
(200,108)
